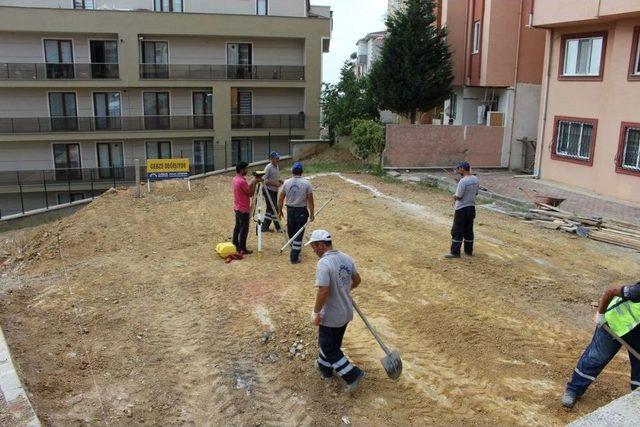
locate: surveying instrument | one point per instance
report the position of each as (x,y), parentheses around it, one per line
(258,213)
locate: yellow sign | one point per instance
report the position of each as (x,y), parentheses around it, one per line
(158,169)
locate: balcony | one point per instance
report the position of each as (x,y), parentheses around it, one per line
(40,71)
(104,124)
(267,121)
(221,72)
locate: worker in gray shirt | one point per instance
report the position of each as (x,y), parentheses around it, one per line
(272,185)
(336,277)
(465,205)
(298,194)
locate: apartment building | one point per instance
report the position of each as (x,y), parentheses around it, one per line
(87,86)
(368,51)
(589,133)
(497,63)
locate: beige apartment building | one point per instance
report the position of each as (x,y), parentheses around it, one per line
(87,86)
(497,64)
(589,134)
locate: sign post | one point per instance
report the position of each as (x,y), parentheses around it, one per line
(162,169)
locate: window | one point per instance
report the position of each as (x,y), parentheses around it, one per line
(64,198)
(110,160)
(628,159)
(83,4)
(583,56)
(241,150)
(156,110)
(104,59)
(203,156)
(66,159)
(202,110)
(106,110)
(634,62)
(476,37)
(239,60)
(58,55)
(262,7)
(155,60)
(242,110)
(62,109)
(574,139)
(158,150)
(167,5)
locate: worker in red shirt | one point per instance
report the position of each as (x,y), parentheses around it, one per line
(242,193)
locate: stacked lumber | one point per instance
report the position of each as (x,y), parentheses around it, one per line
(596,228)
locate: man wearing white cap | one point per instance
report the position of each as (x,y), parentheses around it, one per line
(336,276)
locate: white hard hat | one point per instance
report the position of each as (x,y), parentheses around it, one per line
(319,236)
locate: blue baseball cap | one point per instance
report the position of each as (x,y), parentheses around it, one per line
(274,154)
(297,166)
(464,165)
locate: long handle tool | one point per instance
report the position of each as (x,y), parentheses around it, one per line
(621,341)
(304,226)
(392,363)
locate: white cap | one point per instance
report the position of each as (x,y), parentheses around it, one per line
(319,236)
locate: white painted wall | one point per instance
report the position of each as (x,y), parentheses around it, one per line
(278,101)
(29,47)
(239,7)
(527,105)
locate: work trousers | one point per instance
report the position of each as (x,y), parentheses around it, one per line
(462,230)
(331,357)
(241,230)
(296,219)
(270,214)
(598,354)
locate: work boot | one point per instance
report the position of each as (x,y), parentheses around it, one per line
(452,256)
(246,252)
(569,399)
(322,374)
(351,388)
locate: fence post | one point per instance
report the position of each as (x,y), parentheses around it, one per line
(92,190)
(269,152)
(225,154)
(113,176)
(20,188)
(44,184)
(136,163)
(69,185)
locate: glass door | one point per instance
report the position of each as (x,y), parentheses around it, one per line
(155,60)
(62,109)
(66,159)
(107,110)
(110,160)
(239,60)
(104,59)
(58,55)
(241,150)
(156,110)
(203,110)
(158,150)
(203,156)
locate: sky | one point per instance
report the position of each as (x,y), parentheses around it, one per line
(352,20)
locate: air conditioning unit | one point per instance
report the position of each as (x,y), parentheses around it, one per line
(495,118)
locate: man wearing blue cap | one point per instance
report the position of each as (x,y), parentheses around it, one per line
(272,183)
(298,194)
(465,205)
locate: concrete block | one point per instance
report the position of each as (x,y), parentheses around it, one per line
(623,412)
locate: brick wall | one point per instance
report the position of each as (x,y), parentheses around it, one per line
(419,146)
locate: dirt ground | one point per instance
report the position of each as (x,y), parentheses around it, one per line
(123,314)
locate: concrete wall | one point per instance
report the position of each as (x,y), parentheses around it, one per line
(454,18)
(419,146)
(242,7)
(527,104)
(549,13)
(29,47)
(611,101)
(277,101)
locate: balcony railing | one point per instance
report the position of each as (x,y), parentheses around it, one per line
(39,71)
(268,121)
(220,72)
(101,124)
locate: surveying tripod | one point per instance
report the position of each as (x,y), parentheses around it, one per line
(258,214)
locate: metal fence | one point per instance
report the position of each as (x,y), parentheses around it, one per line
(41,71)
(220,72)
(107,123)
(25,190)
(267,121)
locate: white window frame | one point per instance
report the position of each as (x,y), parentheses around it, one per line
(266,8)
(575,73)
(182,3)
(636,65)
(566,153)
(635,168)
(476,37)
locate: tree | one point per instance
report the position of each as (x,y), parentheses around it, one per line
(414,70)
(349,99)
(368,137)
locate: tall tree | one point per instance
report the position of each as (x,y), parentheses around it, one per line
(414,70)
(351,98)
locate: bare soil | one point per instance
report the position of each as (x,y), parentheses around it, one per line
(122,314)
